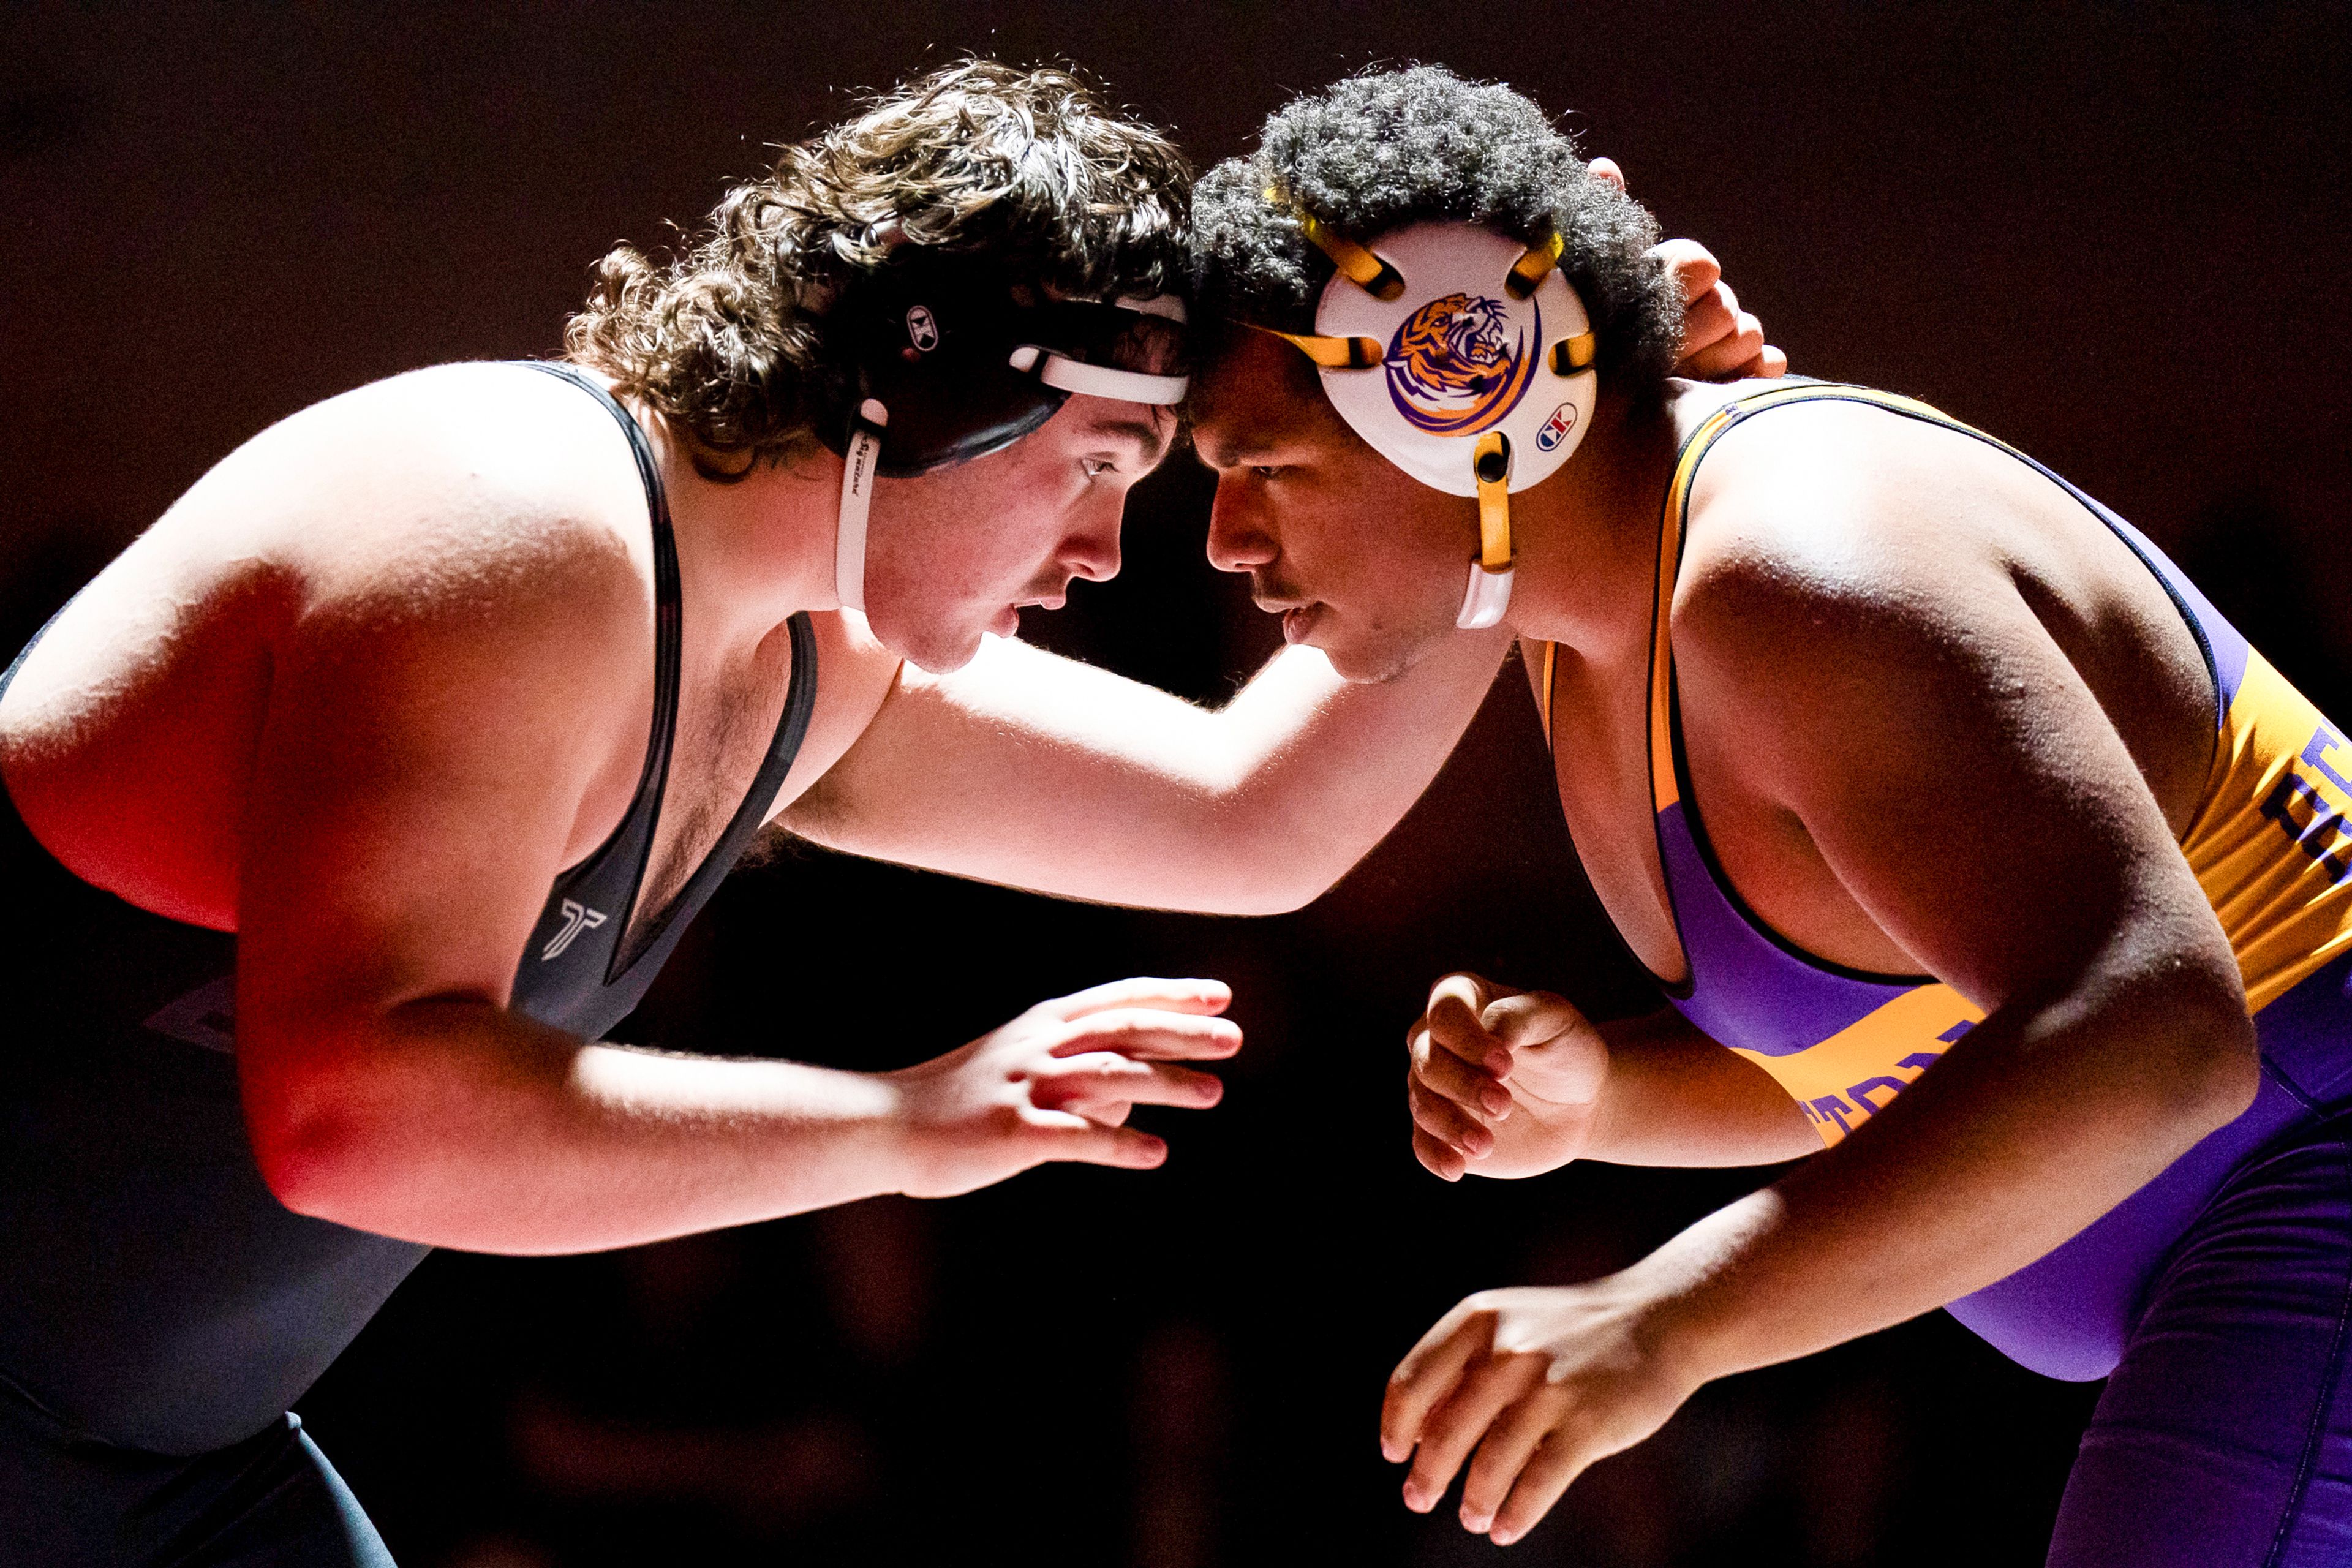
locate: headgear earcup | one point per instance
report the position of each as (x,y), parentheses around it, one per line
(932,338)
(1465,358)
(1461,355)
(943,358)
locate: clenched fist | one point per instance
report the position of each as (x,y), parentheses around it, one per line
(1501,1081)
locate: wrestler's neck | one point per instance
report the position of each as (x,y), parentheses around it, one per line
(755,543)
(1586,539)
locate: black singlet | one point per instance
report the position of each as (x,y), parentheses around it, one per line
(153,1293)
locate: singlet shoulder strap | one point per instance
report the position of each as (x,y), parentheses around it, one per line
(1674,520)
(637,823)
(1551,656)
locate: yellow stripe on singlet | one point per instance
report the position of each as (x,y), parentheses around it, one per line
(1858,1071)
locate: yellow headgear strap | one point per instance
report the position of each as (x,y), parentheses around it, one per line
(1491,460)
(1571,354)
(1331,353)
(1369,272)
(1528,271)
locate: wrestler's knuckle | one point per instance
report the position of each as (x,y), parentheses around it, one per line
(1484,1303)
(1119,1024)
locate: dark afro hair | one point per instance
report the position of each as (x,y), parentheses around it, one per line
(1398,146)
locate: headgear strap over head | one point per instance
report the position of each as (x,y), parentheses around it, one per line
(946,360)
(1486,359)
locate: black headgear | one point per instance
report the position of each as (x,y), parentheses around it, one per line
(965,360)
(946,358)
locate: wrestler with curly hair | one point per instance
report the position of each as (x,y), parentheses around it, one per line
(1985,873)
(352,804)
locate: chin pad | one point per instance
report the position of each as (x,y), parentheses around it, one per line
(1486,599)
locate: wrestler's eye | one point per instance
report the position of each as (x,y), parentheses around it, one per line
(1265,471)
(1096,467)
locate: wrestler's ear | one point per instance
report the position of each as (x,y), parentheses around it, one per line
(1606,171)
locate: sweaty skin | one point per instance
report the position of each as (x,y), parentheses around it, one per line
(1888,637)
(383,673)
(363,692)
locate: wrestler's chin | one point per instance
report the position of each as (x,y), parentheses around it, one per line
(941,649)
(1362,661)
(942,660)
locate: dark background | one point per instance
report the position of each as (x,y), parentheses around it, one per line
(2114,234)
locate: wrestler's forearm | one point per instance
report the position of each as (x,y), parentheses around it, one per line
(1669,1096)
(2038,1125)
(1673,1097)
(458,1124)
(1042,772)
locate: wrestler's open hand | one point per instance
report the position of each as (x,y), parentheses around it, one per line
(1720,341)
(1501,1081)
(1057,1082)
(1540,1383)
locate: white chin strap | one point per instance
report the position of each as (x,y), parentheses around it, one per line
(858,465)
(1488,595)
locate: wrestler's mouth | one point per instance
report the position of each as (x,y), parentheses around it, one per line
(1298,615)
(1007,622)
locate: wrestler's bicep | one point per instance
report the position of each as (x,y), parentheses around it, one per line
(1956,773)
(418,777)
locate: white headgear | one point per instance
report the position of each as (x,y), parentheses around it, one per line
(1465,358)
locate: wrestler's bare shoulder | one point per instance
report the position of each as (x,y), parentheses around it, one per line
(473,531)
(1843,525)
(425,493)
(438,470)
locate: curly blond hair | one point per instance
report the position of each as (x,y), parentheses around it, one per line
(1028,167)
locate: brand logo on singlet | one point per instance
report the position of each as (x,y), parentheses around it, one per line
(577,918)
(922,330)
(205,1016)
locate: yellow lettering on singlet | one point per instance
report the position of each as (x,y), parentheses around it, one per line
(2271,845)
(1858,1071)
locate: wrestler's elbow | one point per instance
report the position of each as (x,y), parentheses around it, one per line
(302,1137)
(1276,859)
(332,1118)
(1274,883)
(2194,1041)
(1256,893)
(304,1148)
(2230,1063)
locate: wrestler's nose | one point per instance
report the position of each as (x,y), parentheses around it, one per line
(1090,550)
(1239,538)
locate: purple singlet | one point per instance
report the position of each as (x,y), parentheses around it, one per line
(2217,1297)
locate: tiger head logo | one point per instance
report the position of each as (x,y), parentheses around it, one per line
(1455,369)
